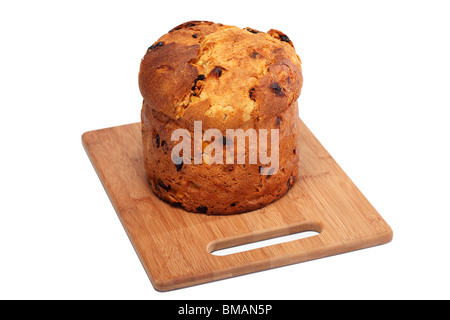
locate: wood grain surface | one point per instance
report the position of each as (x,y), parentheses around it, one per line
(175,246)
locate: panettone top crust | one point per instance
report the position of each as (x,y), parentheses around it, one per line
(222,75)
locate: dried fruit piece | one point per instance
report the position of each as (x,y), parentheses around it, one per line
(202,209)
(285,38)
(252,30)
(163,185)
(251,93)
(290,182)
(197,88)
(255,55)
(156,45)
(179,194)
(217,71)
(278,121)
(276,88)
(226,141)
(157,139)
(179,166)
(186,25)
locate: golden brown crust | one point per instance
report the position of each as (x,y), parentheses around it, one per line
(222,75)
(168,75)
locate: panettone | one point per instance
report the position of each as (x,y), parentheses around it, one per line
(220,77)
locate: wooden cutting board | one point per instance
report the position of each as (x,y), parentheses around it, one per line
(175,246)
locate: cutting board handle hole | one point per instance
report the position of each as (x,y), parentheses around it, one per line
(223,247)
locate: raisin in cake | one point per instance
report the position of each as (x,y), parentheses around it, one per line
(227,78)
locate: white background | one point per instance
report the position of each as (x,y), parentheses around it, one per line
(376,94)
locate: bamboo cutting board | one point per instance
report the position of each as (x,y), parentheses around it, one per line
(175,246)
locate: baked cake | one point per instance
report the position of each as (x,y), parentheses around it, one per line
(227,78)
